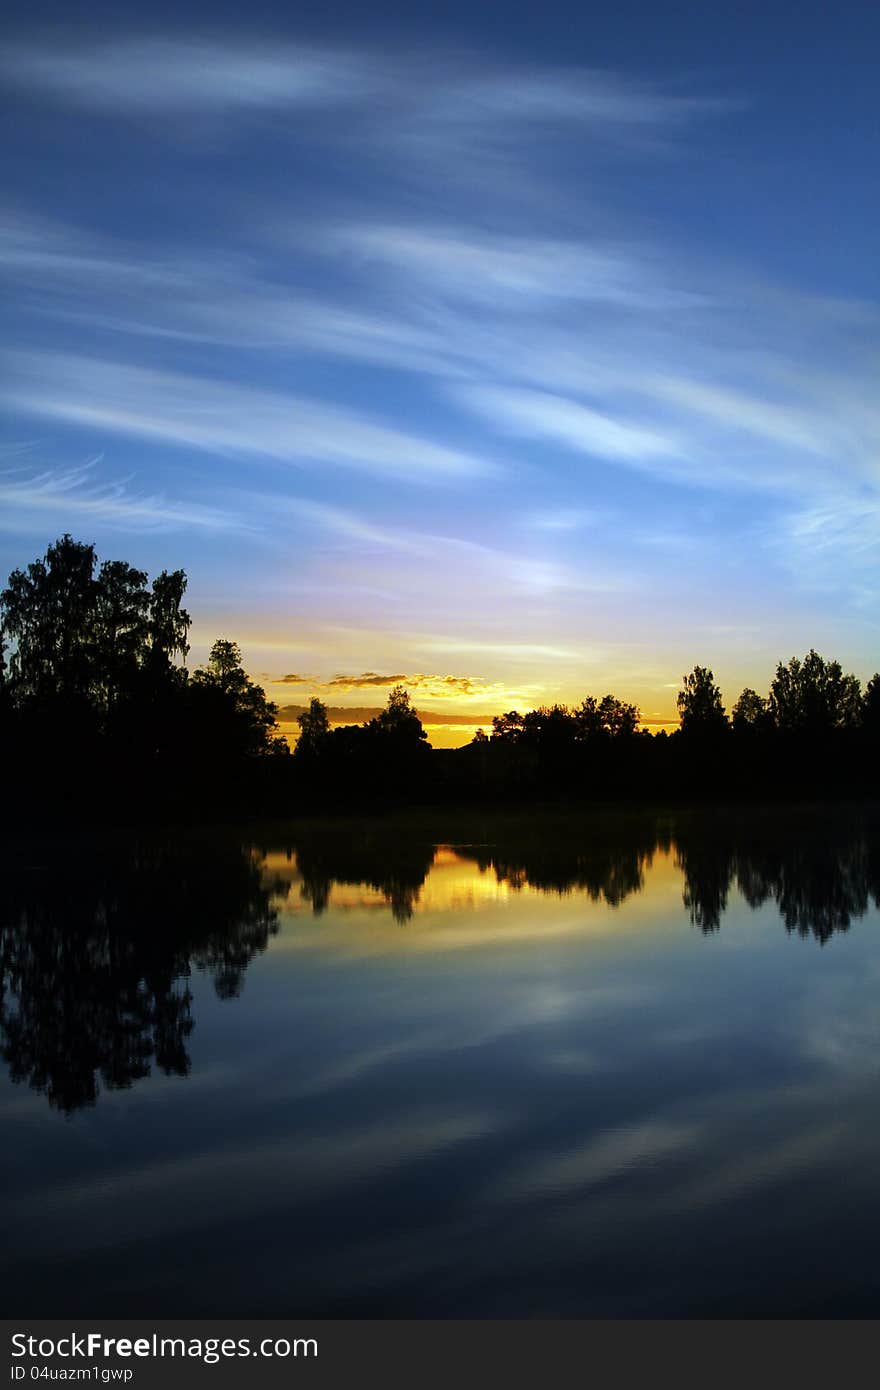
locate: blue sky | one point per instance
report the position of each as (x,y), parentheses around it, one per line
(520,353)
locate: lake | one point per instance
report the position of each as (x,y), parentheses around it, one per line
(616,1065)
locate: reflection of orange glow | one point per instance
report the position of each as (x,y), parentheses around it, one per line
(461,906)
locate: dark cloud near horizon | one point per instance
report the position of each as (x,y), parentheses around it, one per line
(461,685)
(369,678)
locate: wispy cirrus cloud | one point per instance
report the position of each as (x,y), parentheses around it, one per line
(187,75)
(223,417)
(504,271)
(616,407)
(536,415)
(446,91)
(33,498)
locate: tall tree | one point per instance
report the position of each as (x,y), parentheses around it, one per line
(871,704)
(700,708)
(168,622)
(814,696)
(398,718)
(48,613)
(121,632)
(233,708)
(751,713)
(314,727)
(507,728)
(605,718)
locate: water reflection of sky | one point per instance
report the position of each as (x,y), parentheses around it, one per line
(513,1103)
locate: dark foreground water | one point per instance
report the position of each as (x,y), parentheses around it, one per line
(624,1066)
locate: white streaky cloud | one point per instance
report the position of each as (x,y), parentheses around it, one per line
(512,271)
(224,417)
(539,415)
(565,519)
(455,559)
(29,497)
(793,426)
(513,651)
(452,91)
(217,298)
(352,527)
(832,544)
(580,96)
(173,76)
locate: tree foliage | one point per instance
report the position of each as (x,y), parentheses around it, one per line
(398,719)
(751,713)
(814,696)
(95,692)
(87,638)
(314,730)
(235,709)
(700,707)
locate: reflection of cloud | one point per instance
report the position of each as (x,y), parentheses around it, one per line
(136,1203)
(608,1155)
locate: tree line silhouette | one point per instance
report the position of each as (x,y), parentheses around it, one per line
(100,719)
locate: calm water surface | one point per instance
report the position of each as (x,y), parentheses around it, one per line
(622,1067)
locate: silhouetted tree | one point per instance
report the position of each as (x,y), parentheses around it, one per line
(169,622)
(314,726)
(48,612)
(550,729)
(605,718)
(508,727)
(751,713)
(121,634)
(700,709)
(871,706)
(241,718)
(398,719)
(814,696)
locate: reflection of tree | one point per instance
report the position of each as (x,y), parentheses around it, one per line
(819,880)
(95,956)
(707,865)
(393,866)
(819,887)
(605,872)
(397,866)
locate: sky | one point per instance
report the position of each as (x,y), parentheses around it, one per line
(510,353)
